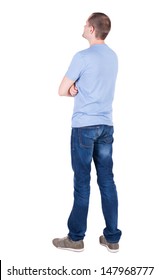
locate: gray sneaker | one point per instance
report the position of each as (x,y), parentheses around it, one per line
(112,247)
(67,244)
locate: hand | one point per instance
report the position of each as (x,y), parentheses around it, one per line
(73,90)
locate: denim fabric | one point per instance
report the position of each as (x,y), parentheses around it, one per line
(87,143)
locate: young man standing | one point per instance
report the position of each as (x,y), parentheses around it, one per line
(90,79)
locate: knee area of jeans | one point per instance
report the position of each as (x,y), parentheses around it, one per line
(109,194)
(109,186)
(82,200)
(82,179)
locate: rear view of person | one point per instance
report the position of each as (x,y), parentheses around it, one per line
(90,79)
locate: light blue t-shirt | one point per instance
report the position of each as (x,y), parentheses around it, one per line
(94,70)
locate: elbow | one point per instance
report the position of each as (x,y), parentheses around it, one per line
(59,92)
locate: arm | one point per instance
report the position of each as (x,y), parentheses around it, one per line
(67,87)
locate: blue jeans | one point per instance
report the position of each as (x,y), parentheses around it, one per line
(87,144)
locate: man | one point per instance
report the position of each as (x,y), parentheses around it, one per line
(90,79)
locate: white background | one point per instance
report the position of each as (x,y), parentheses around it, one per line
(38,40)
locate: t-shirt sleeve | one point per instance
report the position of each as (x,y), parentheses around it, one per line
(75,68)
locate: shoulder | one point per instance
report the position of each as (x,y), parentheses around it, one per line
(111,51)
(82,53)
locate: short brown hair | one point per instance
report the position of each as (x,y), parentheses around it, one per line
(101,23)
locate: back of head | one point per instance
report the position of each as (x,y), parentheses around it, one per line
(101,24)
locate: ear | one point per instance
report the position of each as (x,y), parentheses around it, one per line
(92,29)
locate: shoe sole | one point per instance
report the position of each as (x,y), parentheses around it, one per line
(110,250)
(71,249)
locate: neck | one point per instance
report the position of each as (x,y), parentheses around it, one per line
(96,42)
